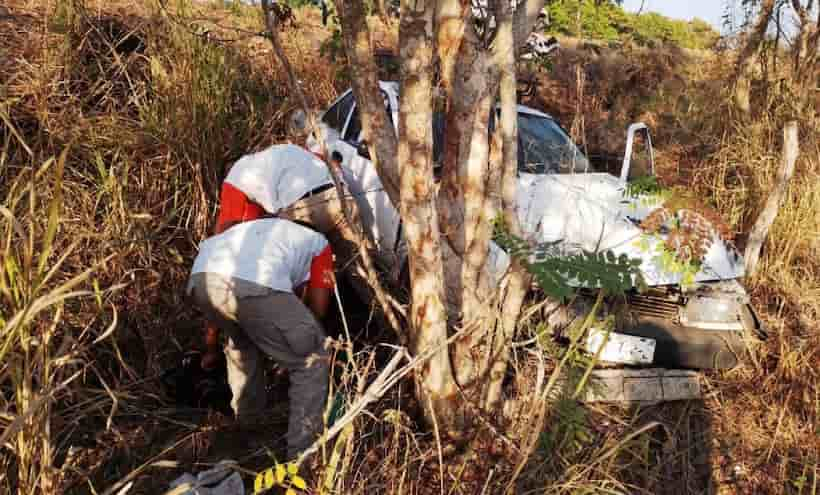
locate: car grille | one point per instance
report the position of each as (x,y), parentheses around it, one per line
(655,303)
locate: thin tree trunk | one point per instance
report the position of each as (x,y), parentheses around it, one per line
(805,55)
(378,132)
(519,279)
(428,317)
(742,85)
(362,240)
(766,218)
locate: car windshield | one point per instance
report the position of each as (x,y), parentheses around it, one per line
(544,148)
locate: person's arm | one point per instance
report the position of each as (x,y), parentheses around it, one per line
(321,282)
(213,352)
(318,300)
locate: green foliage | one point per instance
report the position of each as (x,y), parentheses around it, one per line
(570,432)
(609,22)
(599,20)
(557,273)
(669,260)
(647,191)
(645,185)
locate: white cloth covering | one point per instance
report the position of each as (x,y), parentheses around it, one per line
(220,480)
(270,252)
(279,176)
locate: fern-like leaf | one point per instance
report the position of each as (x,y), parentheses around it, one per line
(558,273)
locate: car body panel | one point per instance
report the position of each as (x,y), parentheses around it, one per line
(586,211)
(590,212)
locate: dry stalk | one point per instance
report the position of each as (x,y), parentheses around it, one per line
(438,446)
(361,238)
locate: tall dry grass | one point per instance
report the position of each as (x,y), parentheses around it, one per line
(763,416)
(141,112)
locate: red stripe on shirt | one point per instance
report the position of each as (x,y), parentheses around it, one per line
(321,270)
(235,207)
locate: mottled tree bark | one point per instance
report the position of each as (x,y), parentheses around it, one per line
(378,132)
(742,85)
(519,279)
(449,232)
(428,317)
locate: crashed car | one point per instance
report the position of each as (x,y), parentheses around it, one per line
(563,200)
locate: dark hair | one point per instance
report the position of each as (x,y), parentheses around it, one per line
(336,156)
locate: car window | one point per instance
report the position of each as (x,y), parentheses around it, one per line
(354,127)
(544,148)
(336,116)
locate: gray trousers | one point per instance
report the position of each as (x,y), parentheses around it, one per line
(257,320)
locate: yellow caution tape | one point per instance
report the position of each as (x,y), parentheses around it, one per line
(284,475)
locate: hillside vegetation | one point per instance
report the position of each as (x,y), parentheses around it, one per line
(610,22)
(117,124)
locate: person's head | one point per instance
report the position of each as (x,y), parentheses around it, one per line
(299,131)
(297,127)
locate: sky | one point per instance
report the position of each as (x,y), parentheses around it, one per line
(710,11)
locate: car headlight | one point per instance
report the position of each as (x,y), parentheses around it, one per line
(720,312)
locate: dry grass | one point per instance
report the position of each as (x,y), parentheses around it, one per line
(151,107)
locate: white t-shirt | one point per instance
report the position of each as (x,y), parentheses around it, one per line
(270,252)
(278,176)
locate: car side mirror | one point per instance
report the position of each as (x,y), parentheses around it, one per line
(643,163)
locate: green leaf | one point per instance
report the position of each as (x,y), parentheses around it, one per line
(53,213)
(558,273)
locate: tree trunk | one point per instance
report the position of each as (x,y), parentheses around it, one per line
(745,59)
(361,238)
(805,51)
(519,279)
(436,388)
(378,132)
(764,222)
(448,233)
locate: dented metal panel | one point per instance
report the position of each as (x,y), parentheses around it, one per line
(620,348)
(589,212)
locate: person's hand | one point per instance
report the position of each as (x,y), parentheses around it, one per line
(209,360)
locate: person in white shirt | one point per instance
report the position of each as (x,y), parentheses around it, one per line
(286,181)
(246,280)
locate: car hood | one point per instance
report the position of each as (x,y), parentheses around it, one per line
(590,212)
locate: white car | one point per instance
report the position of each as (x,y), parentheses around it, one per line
(562,199)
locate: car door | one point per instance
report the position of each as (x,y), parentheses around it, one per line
(378,214)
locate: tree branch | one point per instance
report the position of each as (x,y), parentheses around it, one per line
(361,238)
(754,39)
(378,131)
(524,19)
